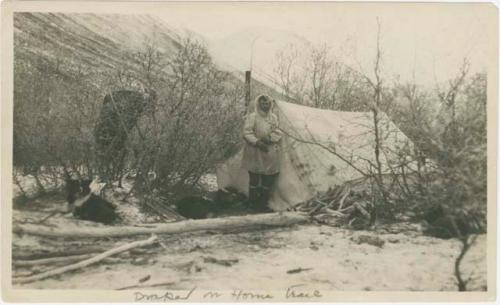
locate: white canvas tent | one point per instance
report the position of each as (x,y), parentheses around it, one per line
(320,149)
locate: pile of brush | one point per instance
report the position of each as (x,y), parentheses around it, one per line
(343,205)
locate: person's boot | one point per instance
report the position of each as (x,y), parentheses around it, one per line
(253,198)
(264,201)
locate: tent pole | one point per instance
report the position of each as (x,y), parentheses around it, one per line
(248,78)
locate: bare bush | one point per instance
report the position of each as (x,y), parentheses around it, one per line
(313,76)
(193,125)
(445,160)
(55,108)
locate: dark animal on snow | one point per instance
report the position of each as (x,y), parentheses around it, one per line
(196,207)
(73,189)
(199,207)
(228,198)
(444,225)
(94,208)
(85,186)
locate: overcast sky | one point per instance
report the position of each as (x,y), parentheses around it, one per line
(430,40)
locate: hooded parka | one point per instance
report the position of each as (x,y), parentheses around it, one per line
(262,126)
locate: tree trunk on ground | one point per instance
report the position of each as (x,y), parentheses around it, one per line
(250,222)
(85,263)
(34,270)
(57,253)
(47,261)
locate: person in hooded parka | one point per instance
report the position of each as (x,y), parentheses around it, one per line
(261,155)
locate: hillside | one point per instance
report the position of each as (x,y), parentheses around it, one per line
(97,41)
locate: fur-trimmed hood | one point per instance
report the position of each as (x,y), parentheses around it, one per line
(255,107)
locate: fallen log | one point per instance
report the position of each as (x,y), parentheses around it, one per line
(249,222)
(23,273)
(85,263)
(52,260)
(336,213)
(39,269)
(140,286)
(58,253)
(316,209)
(49,216)
(362,210)
(341,203)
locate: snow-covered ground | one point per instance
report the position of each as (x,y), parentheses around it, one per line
(28,184)
(331,259)
(129,210)
(327,258)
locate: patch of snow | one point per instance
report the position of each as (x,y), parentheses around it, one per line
(208,182)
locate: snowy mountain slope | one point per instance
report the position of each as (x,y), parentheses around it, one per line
(92,40)
(100,42)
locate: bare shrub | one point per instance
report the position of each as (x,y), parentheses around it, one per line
(194,123)
(445,160)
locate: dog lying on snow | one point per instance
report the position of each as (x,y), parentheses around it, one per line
(440,223)
(201,207)
(85,202)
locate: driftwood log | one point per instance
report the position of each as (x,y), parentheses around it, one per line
(52,260)
(140,286)
(85,263)
(18,255)
(248,222)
